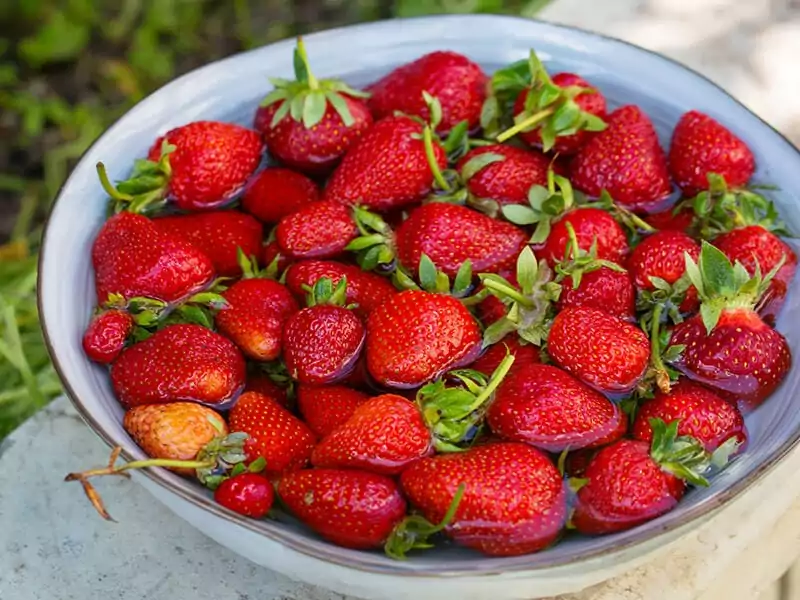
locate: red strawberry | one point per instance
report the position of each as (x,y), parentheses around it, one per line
(700,145)
(525,354)
(106,335)
(414,336)
(603,351)
(131,257)
(310,123)
(492,516)
(591,226)
(670,220)
(458,83)
(700,413)
(606,289)
(320,230)
(388,168)
(249,494)
(326,407)
(275,434)
(180,362)
(277,192)
(353,509)
(264,384)
(270,253)
(625,159)
(218,235)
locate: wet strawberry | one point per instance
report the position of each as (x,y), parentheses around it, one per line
(591,226)
(319,230)
(326,407)
(106,335)
(249,494)
(277,192)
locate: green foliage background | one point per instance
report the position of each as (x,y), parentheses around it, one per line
(68,69)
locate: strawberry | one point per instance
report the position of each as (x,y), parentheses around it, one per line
(106,335)
(677,218)
(277,192)
(625,159)
(591,226)
(492,516)
(249,494)
(319,230)
(131,257)
(275,434)
(353,509)
(727,347)
(183,362)
(414,336)
(326,407)
(546,407)
(601,350)
(219,235)
(458,83)
(525,354)
(701,145)
(700,413)
(261,382)
(310,123)
(271,254)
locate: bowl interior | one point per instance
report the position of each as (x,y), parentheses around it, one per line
(231,89)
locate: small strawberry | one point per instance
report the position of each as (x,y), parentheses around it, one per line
(700,145)
(276,192)
(592,226)
(107,334)
(219,235)
(319,230)
(249,494)
(458,83)
(326,407)
(353,509)
(524,353)
(275,434)
(491,477)
(310,123)
(183,362)
(626,160)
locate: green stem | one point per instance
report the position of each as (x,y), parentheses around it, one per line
(523,125)
(497,378)
(109,187)
(301,50)
(507,290)
(427,138)
(662,376)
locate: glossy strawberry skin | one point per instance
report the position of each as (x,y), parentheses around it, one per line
(524,354)
(451,234)
(106,335)
(625,488)
(625,159)
(701,145)
(603,351)
(702,414)
(277,192)
(249,494)
(132,257)
(319,230)
(493,517)
(415,336)
(354,509)
(211,162)
(325,407)
(665,220)
(590,224)
(605,289)
(218,235)
(282,439)
(318,149)
(384,435)
(257,311)
(386,169)
(183,362)
(272,251)
(458,83)
(264,385)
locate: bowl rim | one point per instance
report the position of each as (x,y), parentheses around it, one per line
(315,547)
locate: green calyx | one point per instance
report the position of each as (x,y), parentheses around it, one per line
(661,352)
(252,270)
(682,456)
(504,87)
(431,279)
(324,292)
(374,247)
(145,191)
(634,225)
(306,99)
(545,204)
(225,457)
(577,262)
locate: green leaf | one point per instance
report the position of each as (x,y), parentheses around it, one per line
(593,122)
(314,108)
(340,106)
(463,279)
(566,115)
(710,313)
(456,143)
(427,273)
(281,113)
(527,270)
(519,215)
(716,270)
(478,163)
(296,107)
(541,232)
(300,69)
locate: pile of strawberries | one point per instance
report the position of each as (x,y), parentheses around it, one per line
(488,309)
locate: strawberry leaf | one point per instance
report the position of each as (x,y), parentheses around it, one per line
(314,108)
(478,163)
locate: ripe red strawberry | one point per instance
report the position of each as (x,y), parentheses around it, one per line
(131,257)
(264,384)
(458,83)
(249,494)
(388,168)
(272,251)
(605,352)
(276,192)
(700,145)
(218,235)
(546,407)
(181,362)
(605,289)
(450,235)
(591,226)
(275,434)
(492,516)
(414,336)
(319,230)
(701,413)
(257,311)
(106,335)
(669,220)
(525,354)
(310,123)
(326,407)
(625,159)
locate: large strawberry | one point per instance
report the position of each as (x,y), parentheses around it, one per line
(592,226)
(318,230)
(276,192)
(131,257)
(492,516)
(107,334)
(325,407)
(310,123)
(626,160)
(458,83)
(701,145)
(183,362)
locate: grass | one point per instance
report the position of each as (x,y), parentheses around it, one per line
(68,69)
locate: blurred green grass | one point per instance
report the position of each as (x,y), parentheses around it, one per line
(68,69)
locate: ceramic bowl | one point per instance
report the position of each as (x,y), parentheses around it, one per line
(230,90)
